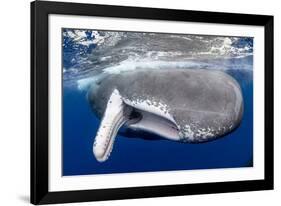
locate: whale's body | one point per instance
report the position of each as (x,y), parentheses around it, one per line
(188,105)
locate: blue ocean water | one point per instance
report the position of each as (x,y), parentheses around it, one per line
(137,154)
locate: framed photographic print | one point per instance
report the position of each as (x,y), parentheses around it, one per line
(133,102)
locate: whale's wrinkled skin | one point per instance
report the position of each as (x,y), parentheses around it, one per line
(187,105)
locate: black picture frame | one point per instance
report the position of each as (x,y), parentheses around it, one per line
(40,108)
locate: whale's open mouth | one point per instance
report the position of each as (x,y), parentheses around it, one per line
(153,123)
(137,116)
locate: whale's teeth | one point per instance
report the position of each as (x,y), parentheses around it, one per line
(113,119)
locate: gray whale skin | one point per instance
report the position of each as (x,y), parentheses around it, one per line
(186,105)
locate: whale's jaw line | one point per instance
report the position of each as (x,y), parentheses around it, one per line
(121,112)
(112,120)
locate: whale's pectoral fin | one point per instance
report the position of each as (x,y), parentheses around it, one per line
(115,115)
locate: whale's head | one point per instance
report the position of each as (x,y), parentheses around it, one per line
(181,105)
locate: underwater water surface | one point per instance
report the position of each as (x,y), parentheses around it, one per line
(89,55)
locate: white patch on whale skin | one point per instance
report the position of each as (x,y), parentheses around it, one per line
(206,133)
(112,120)
(187,134)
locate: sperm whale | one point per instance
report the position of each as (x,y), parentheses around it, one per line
(186,105)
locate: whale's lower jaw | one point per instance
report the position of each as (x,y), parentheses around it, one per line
(114,117)
(135,116)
